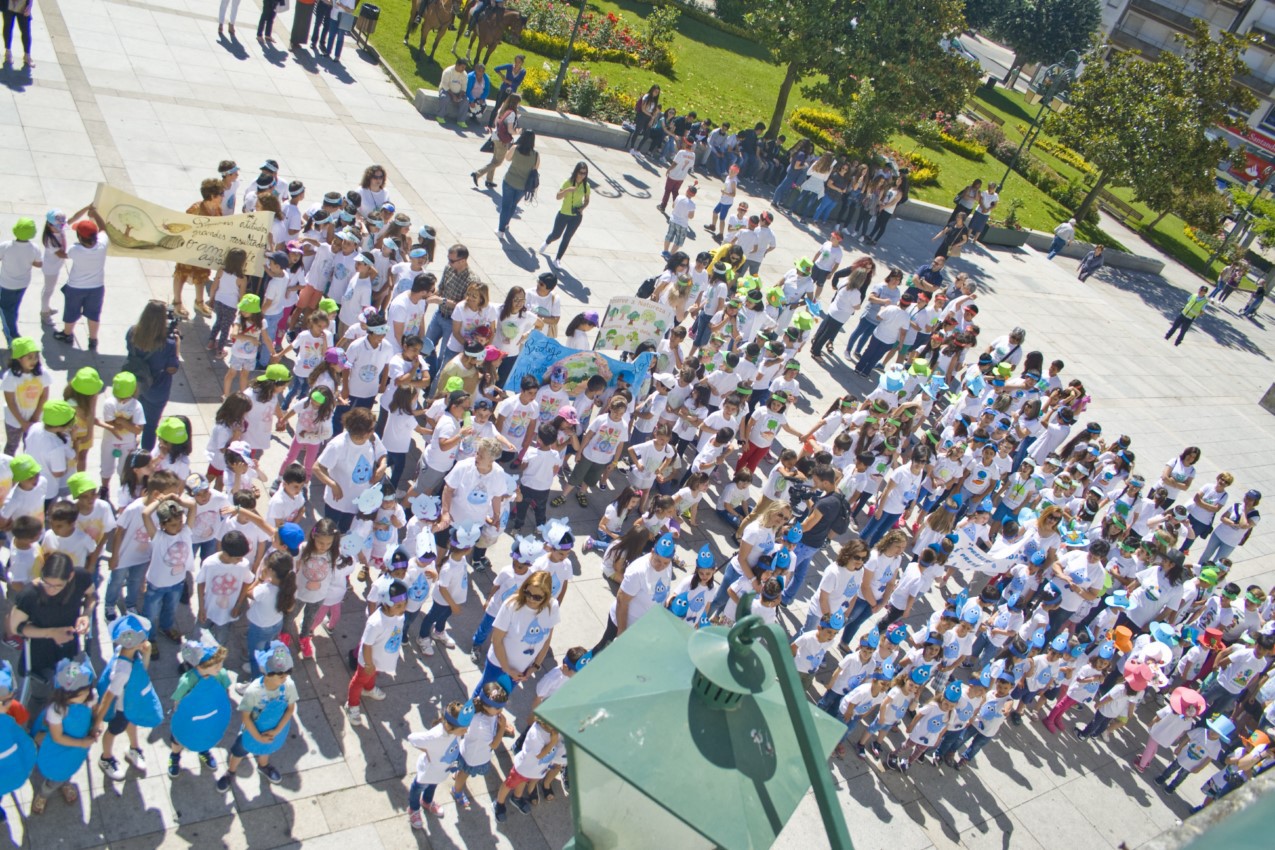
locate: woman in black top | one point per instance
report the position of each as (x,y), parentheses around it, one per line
(52,612)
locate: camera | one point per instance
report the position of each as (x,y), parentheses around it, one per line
(174,332)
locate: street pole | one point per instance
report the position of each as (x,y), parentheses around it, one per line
(566,57)
(1025,143)
(1243,217)
(1057,78)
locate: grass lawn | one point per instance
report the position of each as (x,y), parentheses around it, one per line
(720,76)
(1168,235)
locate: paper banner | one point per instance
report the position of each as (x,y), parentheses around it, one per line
(968,558)
(138,228)
(540,354)
(629,322)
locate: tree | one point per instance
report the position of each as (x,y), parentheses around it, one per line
(1044,30)
(983,14)
(1143,124)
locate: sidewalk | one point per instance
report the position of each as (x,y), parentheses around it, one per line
(142,94)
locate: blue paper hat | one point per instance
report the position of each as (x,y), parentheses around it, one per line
(1011,598)
(1222,725)
(955,501)
(664,546)
(1119,599)
(892,381)
(782,560)
(1006,675)
(935,386)
(1026,516)
(897,634)
(1106,649)
(463,719)
(292,536)
(933,640)
(836,620)
(986,505)
(886,671)
(921,675)
(1164,633)
(130,631)
(794,534)
(977,385)
(1050,594)
(952,693)
(579,663)
(465,536)
(985,676)
(958,601)
(871,640)
(6,680)
(425,507)
(678,605)
(972,614)
(1038,638)
(1038,558)
(704,619)
(199,649)
(275,658)
(705,560)
(1059,643)
(73,674)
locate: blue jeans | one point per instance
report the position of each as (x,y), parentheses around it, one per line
(483,631)
(871,356)
(10,301)
(1054,247)
(416,792)
(440,328)
(435,620)
(856,617)
(802,556)
(509,197)
(160,606)
(257,639)
(826,206)
(977,740)
(272,327)
(128,581)
(876,528)
(784,188)
(322,20)
(860,335)
(343,519)
(1215,550)
(806,203)
(296,387)
(950,741)
(333,39)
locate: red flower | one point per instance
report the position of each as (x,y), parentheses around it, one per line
(613,17)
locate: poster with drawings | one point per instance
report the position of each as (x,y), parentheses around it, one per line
(629,322)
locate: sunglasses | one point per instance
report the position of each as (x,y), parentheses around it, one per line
(536,597)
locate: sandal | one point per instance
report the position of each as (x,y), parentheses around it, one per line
(70,793)
(203,309)
(582,500)
(547,792)
(37,804)
(462,799)
(180,310)
(559,502)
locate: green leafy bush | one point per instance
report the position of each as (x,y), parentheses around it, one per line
(962,147)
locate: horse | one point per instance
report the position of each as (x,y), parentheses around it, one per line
(489,32)
(435,18)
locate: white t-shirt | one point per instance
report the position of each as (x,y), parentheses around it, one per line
(171,557)
(470,320)
(453,576)
(545,307)
(906,484)
(683,162)
(608,437)
(78,546)
(539,467)
(97,522)
(351,466)
(828,256)
(518,417)
(88,264)
(384,633)
(263,606)
(27,389)
(646,585)
(683,208)
(366,364)
(473,492)
(222,584)
(16,258)
(525,630)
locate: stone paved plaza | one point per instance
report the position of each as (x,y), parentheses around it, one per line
(141,94)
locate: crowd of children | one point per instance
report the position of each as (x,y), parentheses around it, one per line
(983,556)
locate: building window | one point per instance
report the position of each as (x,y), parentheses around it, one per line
(1268,122)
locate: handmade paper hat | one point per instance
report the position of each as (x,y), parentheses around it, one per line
(897,634)
(1223,726)
(198,650)
(23,468)
(557,533)
(465,536)
(921,675)
(971,614)
(1119,599)
(425,507)
(984,677)
(871,640)
(1122,637)
(794,534)
(782,560)
(526,549)
(426,546)
(87,381)
(369,500)
(891,381)
(73,674)
(81,483)
(1183,698)
(803,265)
(463,718)
(1106,649)
(1059,643)
(275,658)
(130,631)
(6,681)
(679,605)
(664,546)
(1137,675)
(952,693)
(1038,638)
(1164,633)
(919,366)
(705,559)
(1212,639)
(172,431)
(22,346)
(351,544)
(57,413)
(580,662)
(836,620)
(886,671)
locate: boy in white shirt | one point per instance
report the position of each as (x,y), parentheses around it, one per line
(540,466)
(679,222)
(62,536)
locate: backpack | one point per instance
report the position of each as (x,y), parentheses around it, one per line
(647,288)
(841,525)
(138,365)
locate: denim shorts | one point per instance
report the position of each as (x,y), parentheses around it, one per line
(82,302)
(475,769)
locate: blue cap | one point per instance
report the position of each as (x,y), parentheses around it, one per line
(1119,599)
(6,680)
(835,620)
(1006,675)
(794,534)
(971,615)
(782,560)
(1011,598)
(1038,558)
(292,536)
(986,505)
(871,640)
(664,546)
(1059,643)
(463,719)
(958,499)
(921,675)
(581,661)
(952,693)
(705,560)
(886,671)
(985,676)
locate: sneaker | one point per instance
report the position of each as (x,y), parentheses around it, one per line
(355,714)
(414,820)
(174,764)
(223,782)
(137,759)
(307,647)
(92,344)
(477,654)
(445,639)
(208,760)
(499,811)
(544,246)
(520,804)
(374,694)
(272,774)
(112,768)
(861,751)
(426,646)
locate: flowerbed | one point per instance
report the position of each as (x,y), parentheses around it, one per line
(601,38)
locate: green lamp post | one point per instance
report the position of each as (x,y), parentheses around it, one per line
(676,738)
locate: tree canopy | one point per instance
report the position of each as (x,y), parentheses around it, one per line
(1044,30)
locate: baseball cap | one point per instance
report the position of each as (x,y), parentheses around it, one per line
(292,536)
(86,229)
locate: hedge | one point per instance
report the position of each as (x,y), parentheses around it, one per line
(824,119)
(555,47)
(962,147)
(823,137)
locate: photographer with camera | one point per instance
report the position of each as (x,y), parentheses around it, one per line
(827,511)
(154,353)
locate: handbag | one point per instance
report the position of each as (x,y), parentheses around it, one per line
(488,146)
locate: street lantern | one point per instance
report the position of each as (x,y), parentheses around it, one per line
(1054,82)
(676,739)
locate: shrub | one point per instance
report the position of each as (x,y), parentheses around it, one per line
(824,119)
(821,137)
(928,132)
(695,13)
(536,87)
(925,176)
(961,147)
(732,11)
(987,134)
(583,93)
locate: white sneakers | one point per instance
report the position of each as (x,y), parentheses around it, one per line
(374,694)
(445,639)
(355,714)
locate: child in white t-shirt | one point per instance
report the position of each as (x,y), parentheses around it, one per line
(733,504)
